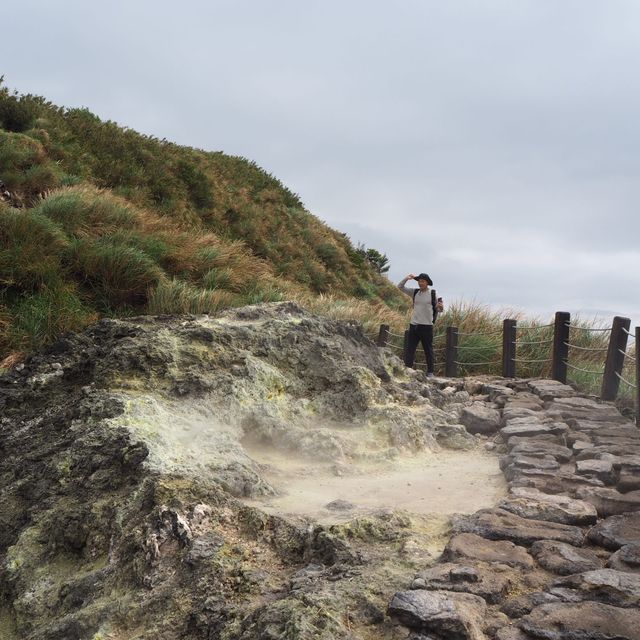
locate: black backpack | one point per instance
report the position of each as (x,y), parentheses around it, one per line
(434,302)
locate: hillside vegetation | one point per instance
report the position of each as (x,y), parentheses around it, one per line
(102,220)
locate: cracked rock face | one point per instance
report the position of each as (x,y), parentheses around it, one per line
(124,466)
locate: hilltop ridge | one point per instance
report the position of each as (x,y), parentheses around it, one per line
(99,220)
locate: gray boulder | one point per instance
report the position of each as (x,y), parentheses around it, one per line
(582,621)
(613,587)
(455,616)
(531,503)
(609,501)
(491,582)
(616,531)
(564,559)
(532,429)
(469,546)
(626,558)
(498,524)
(479,418)
(537,447)
(550,389)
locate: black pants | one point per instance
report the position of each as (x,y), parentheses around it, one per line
(420,333)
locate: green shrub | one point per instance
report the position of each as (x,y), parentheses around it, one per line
(116,274)
(258,292)
(17,114)
(176,296)
(217,279)
(198,185)
(82,211)
(31,249)
(25,167)
(41,317)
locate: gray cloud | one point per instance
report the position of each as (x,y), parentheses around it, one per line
(493,143)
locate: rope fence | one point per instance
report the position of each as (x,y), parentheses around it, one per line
(554,352)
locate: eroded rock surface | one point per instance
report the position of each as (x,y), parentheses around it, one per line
(131,509)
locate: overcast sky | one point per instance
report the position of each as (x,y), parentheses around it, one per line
(493,144)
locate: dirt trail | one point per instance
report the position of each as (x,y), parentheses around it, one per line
(445,482)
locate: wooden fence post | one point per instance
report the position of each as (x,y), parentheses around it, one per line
(637,344)
(451,353)
(509,349)
(560,346)
(615,358)
(383,335)
(405,344)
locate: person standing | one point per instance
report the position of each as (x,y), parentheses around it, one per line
(425,309)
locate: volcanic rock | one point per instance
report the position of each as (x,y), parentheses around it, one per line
(480,419)
(582,621)
(490,582)
(626,558)
(616,531)
(564,559)
(498,524)
(531,503)
(456,616)
(468,546)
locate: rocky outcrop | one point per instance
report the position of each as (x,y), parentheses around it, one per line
(125,467)
(127,485)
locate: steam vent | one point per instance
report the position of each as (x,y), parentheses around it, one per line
(270,474)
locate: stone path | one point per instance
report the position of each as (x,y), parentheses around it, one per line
(559,557)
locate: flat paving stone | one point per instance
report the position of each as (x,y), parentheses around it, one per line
(533,429)
(618,588)
(458,616)
(564,559)
(534,504)
(626,558)
(535,447)
(582,621)
(498,524)
(608,501)
(469,546)
(622,428)
(542,463)
(600,469)
(555,481)
(550,389)
(616,531)
(489,581)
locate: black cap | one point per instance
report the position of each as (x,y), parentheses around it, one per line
(424,276)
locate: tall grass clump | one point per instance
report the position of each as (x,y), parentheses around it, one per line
(41,317)
(31,250)
(176,296)
(116,275)
(25,166)
(83,211)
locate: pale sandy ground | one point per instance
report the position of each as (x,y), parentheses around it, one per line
(445,482)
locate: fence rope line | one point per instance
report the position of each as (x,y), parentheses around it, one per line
(575,346)
(533,327)
(567,324)
(474,364)
(536,342)
(626,355)
(478,347)
(630,384)
(629,333)
(595,373)
(475,333)
(530,361)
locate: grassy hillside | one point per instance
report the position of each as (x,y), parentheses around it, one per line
(102,220)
